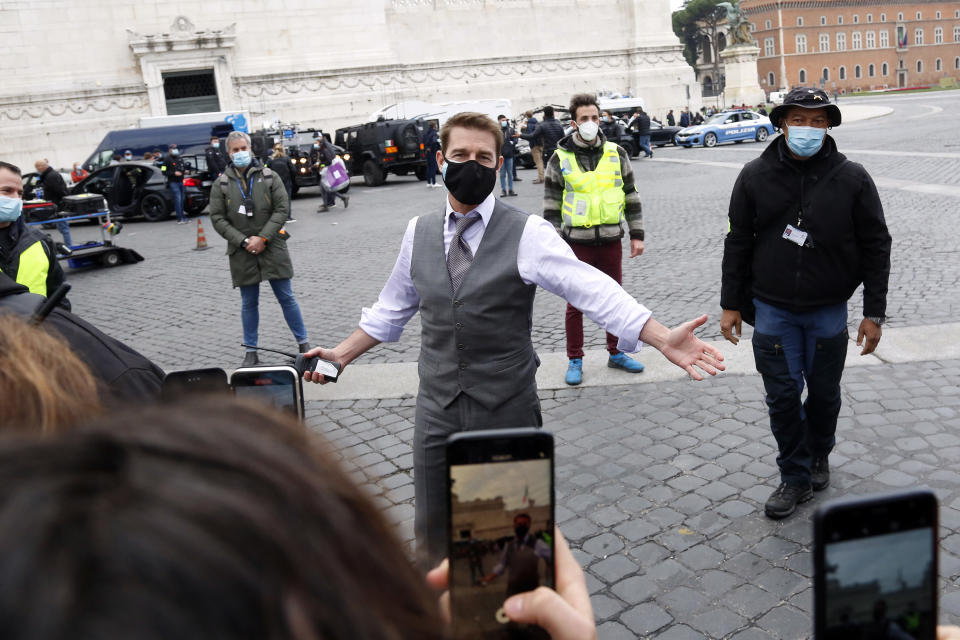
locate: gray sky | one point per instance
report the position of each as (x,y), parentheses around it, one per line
(507,479)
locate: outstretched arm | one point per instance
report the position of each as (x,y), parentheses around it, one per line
(682,348)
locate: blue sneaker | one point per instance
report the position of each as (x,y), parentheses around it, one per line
(575,371)
(621,360)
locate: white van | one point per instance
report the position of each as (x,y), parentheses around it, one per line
(776,97)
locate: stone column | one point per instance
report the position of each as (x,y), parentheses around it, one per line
(740,69)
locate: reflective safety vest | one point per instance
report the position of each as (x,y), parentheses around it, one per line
(33,269)
(593,197)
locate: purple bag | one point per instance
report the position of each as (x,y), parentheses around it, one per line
(335,177)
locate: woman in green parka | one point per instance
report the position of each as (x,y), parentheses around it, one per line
(248,207)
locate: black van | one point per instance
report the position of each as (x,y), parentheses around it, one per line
(191,139)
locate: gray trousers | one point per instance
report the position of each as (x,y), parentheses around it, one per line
(433,425)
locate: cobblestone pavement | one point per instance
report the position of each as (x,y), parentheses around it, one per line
(660,486)
(179,309)
(663,505)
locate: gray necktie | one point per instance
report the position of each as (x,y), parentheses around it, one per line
(460,256)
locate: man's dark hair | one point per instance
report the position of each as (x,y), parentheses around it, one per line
(207,520)
(501,116)
(472,120)
(582,100)
(10,167)
(548,112)
(523,515)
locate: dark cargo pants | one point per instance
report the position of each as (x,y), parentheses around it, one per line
(791,348)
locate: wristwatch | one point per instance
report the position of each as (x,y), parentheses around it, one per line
(877,320)
(243,245)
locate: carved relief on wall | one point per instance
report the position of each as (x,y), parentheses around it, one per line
(59,108)
(387,77)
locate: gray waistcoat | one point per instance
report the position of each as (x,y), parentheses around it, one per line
(477,340)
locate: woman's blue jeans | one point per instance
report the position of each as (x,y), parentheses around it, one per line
(250,310)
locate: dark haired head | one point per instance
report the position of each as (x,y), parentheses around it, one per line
(582,100)
(10,167)
(548,111)
(211,520)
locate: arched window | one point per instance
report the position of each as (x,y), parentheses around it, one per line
(919,16)
(823,20)
(803,76)
(956,62)
(766,25)
(919,66)
(799,21)
(708,84)
(771,79)
(856,19)
(857,71)
(871,70)
(869,17)
(899,17)
(939,64)
(721,42)
(843,73)
(884,69)
(939,15)
(839,19)
(825,74)
(883,17)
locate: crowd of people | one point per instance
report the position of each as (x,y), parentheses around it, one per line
(216,518)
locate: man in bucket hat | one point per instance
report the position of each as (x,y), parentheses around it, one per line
(806,229)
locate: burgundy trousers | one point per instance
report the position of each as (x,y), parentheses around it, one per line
(609,259)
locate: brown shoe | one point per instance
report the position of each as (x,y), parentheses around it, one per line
(537,182)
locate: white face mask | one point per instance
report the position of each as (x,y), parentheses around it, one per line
(588,130)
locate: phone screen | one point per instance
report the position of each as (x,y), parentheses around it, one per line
(501,527)
(276,387)
(879,571)
(178,384)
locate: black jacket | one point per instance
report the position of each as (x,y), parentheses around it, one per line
(54,187)
(509,148)
(16,239)
(848,241)
(124,375)
(284,169)
(641,124)
(216,161)
(170,165)
(431,141)
(548,133)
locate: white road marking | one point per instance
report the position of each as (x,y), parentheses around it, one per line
(933,110)
(886,183)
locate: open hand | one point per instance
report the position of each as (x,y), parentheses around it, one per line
(689,352)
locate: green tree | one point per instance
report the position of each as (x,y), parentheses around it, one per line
(697,21)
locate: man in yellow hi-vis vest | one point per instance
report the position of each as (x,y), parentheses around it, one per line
(590,197)
(26,255)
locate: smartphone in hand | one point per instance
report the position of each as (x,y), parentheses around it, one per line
(875,567)
(500,529)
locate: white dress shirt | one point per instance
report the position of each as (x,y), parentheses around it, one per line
(543,259)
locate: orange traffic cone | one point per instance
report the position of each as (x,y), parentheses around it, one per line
(201,237)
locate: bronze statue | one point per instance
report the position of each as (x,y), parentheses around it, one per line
(738,26)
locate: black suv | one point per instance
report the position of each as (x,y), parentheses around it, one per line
(385,146)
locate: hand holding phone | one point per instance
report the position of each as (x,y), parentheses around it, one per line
(565,614)
(875,567)
(500,528)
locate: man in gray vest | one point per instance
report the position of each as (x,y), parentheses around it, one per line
(472,271)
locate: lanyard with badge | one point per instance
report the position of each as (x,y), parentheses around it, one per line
(246,207)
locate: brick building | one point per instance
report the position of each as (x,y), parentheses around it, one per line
(845,45)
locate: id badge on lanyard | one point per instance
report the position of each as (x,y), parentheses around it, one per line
(246,207)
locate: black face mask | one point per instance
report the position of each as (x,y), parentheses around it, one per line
(470,182)
(521,531)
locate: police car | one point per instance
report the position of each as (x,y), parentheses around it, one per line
(727,126)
